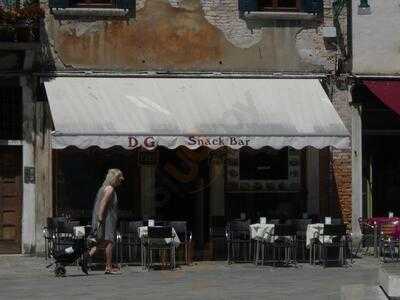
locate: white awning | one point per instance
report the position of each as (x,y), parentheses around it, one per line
(193,112)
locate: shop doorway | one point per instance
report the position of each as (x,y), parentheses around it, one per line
(382,170)
(381,162)
(182,191)
(10,200)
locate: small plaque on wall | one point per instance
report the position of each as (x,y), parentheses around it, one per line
(29,175)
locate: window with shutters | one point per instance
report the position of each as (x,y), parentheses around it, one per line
(97,7)
(301,7)
(92,3)
(279,5)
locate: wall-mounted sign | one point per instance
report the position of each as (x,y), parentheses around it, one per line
(29,175)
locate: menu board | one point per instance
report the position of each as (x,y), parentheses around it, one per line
(266,169)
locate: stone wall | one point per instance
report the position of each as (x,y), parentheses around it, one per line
(376,40)
(187,35)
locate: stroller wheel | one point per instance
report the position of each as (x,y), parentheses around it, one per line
(60,271)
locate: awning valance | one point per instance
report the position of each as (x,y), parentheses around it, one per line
(192,112)
(387,91)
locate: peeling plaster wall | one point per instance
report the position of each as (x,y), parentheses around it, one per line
(376,38)
(185,35)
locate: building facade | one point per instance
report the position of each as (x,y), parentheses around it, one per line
(19,45)
(375,107)
(160,39)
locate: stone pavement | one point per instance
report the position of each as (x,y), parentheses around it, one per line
(24,277)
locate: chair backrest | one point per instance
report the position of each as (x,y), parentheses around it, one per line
(285,230)
(239,229)
(159,232)
(123,226)
(180,229)
(334,230)
(336,221)
(301,224)
(134,225)
(217,226)
(55,223)
(68,227)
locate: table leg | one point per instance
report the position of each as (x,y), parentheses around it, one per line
(376,241)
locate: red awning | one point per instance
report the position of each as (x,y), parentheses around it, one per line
(387,91)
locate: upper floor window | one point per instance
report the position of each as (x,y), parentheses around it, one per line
(92,3)
(97,8)
(281,5)
(302,9)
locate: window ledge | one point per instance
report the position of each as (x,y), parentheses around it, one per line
(90,12)
(275,15)
(14,46)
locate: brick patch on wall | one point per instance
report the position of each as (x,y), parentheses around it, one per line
(341,183)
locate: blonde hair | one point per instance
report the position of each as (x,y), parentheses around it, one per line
(111,177)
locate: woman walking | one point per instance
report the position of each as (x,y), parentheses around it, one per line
(104,217)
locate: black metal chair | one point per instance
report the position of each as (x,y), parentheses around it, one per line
(367,236)
(301,230)
(279,246)
(217,236)
(239,241)
(284,245)
(49,233)
(156,241)
(59,234)
(334,237)
(389,242)
(129,243)
(184,236)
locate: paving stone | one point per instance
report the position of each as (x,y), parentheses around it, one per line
(27,278)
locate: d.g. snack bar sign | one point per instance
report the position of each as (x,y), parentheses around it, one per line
(151,142)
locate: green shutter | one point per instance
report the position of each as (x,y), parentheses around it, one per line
(125,4)
(247,6)
(58,3)
(313,6)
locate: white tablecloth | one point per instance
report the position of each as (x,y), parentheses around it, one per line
(262,231)
(143,230)
(315,231)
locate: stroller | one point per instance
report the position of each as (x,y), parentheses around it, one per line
(68,246)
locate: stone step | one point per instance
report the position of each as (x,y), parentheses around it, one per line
(361,292)
(389,280)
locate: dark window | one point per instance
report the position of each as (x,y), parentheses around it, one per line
(281,5)
(92,3)
(10,113)
(263,164)
(128,5)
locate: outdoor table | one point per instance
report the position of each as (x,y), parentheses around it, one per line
(143,230)
(375,222)
(261,231)
(315,231)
